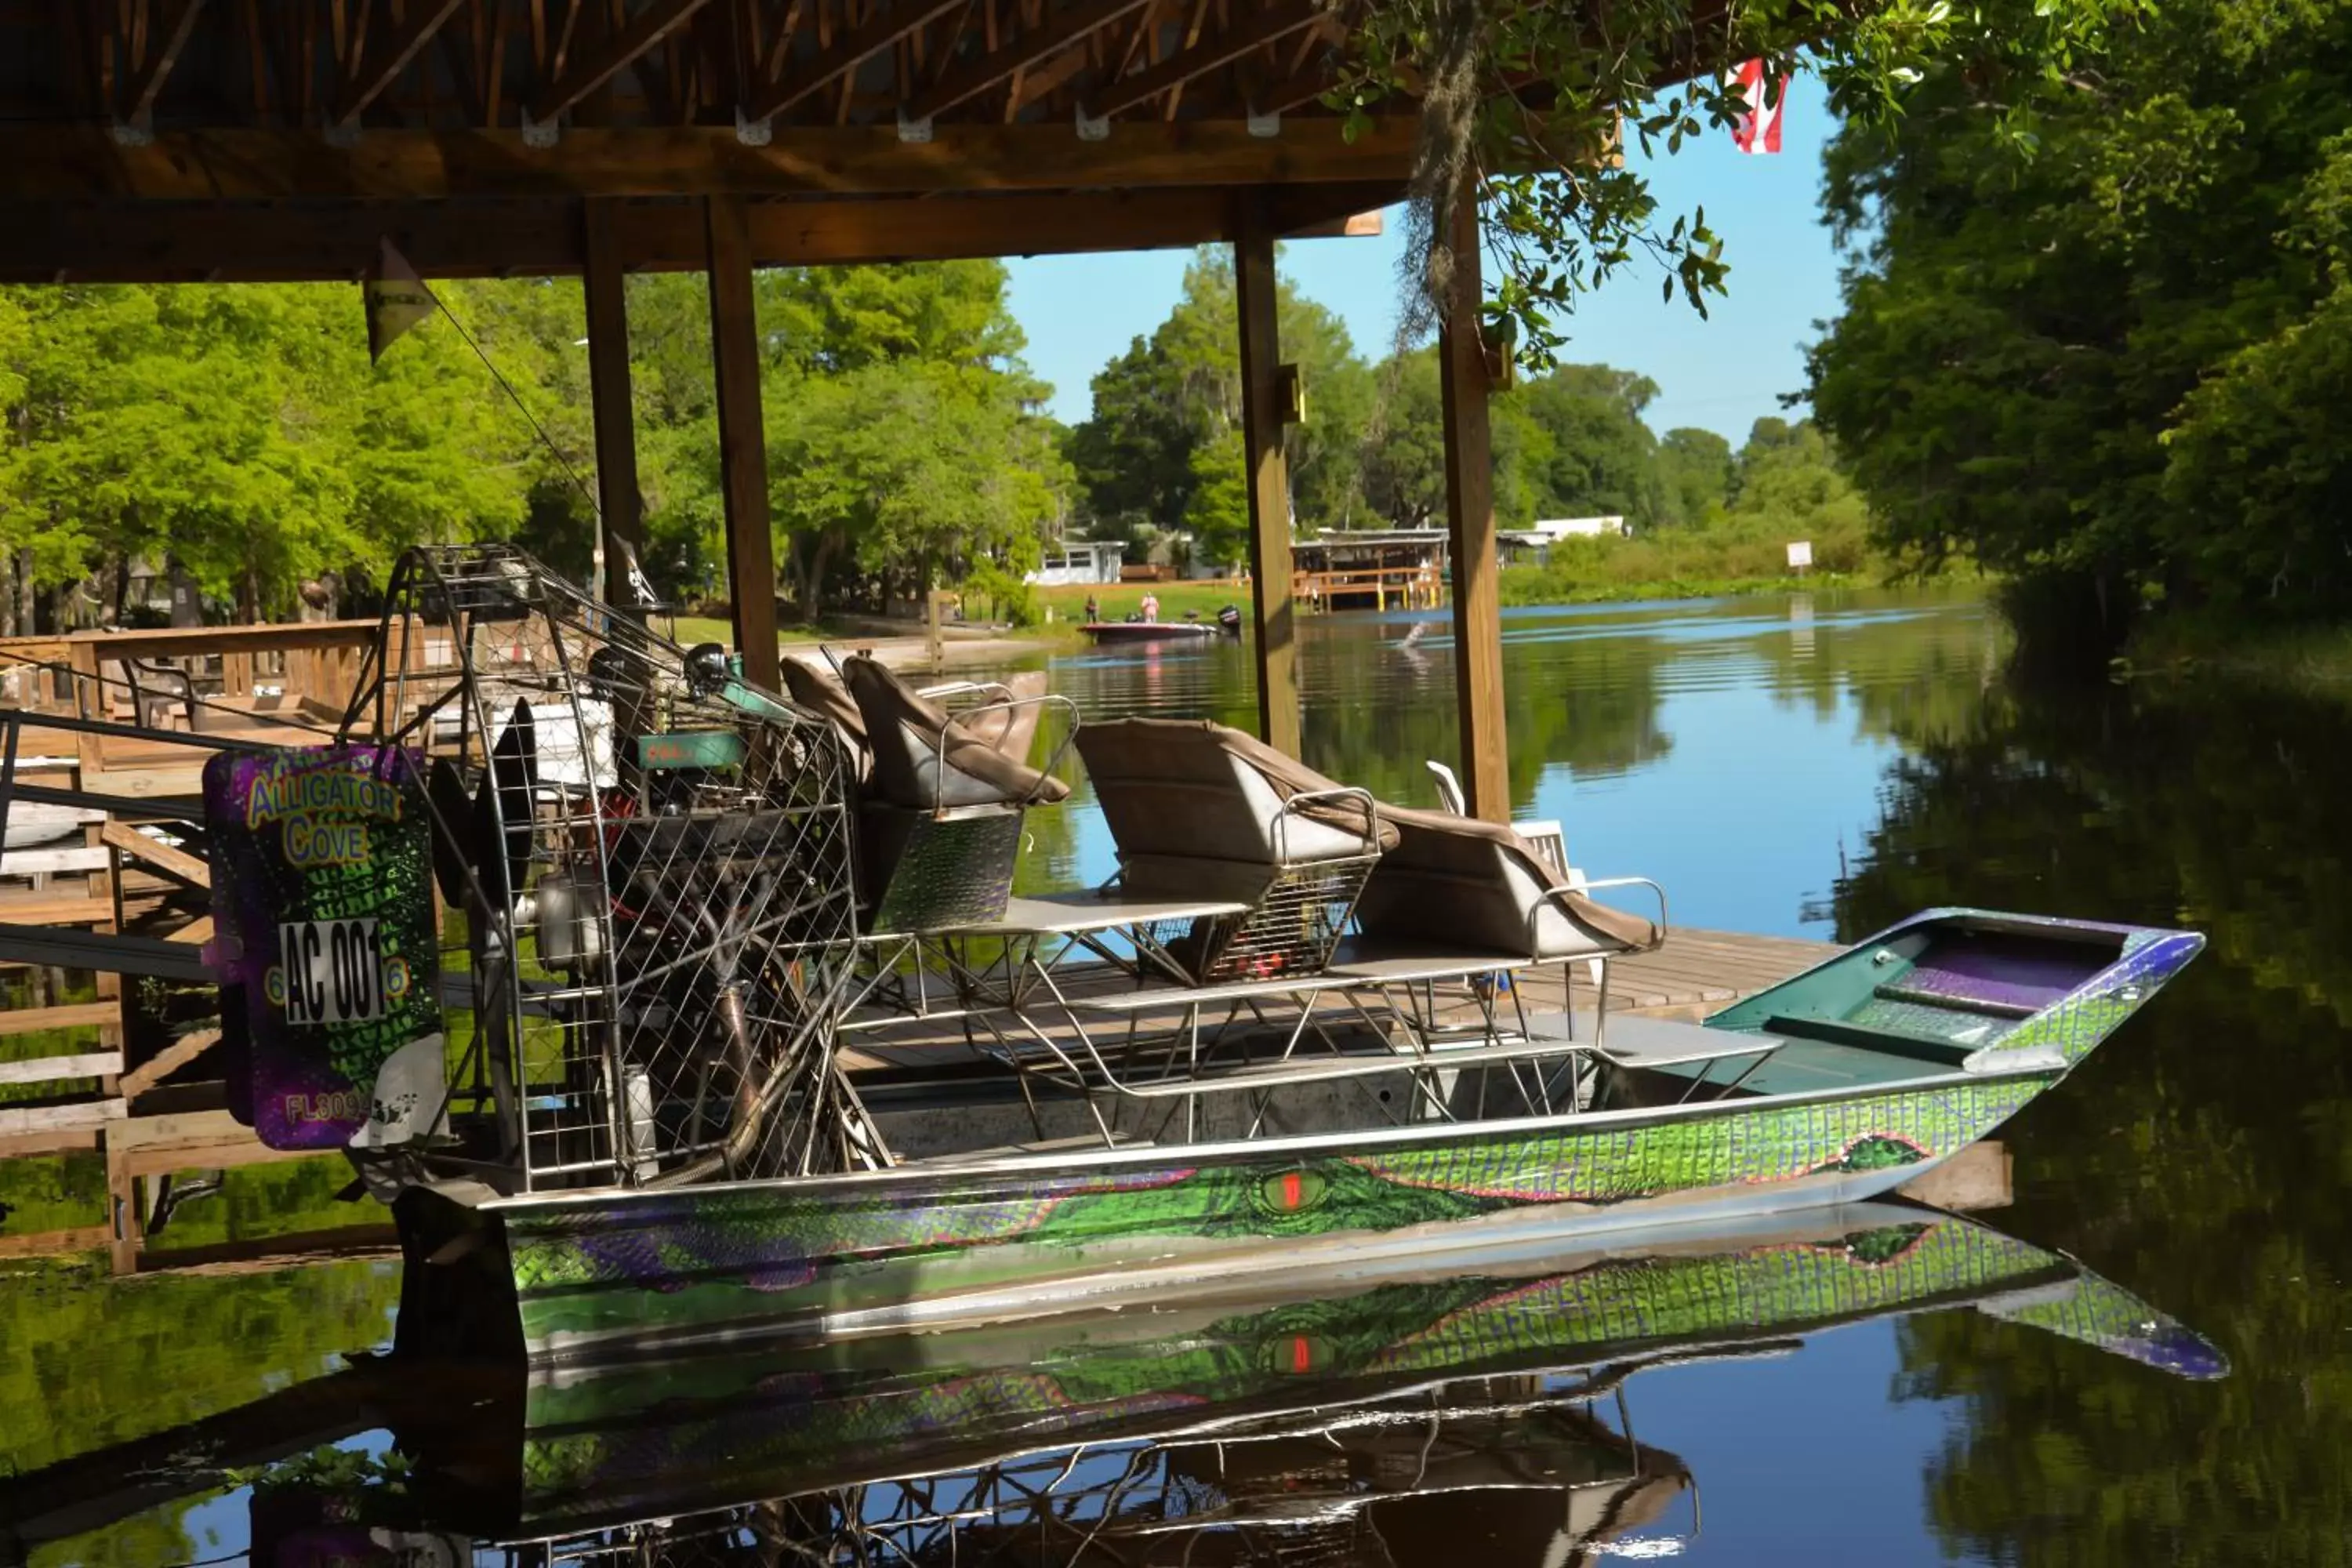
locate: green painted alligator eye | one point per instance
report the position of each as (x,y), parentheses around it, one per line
(1294,1192)
(1292,1355)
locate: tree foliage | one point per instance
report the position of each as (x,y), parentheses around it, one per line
(1528,103)
(1167,421)
(239,431)
(1161,452)
(2099,320)
(242,434)
(1698,469)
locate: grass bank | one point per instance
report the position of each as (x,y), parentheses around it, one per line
(693,629)
(1683,564)
(1534,585)
(2306,657)
(1116,601)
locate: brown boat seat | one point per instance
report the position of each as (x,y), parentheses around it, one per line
(820,693)
(924,759)
(1466,882)
(1190,789)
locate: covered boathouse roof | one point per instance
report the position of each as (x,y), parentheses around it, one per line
(230,139)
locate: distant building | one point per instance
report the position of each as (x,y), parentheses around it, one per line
(1534,542)
(1579,527)
(1079,561)
(1383,569)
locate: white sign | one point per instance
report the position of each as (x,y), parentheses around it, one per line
(1800,555)
(334,971)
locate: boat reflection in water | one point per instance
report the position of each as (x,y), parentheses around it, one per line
(1411,1419)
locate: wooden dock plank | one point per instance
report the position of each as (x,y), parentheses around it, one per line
(57,909)
(179,1130)
(31,1121)
(71,1141)
(168,1060)
(54,1069)
(55,1243)
(167,858)
(63,1016)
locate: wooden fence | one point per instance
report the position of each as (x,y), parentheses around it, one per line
(274,684)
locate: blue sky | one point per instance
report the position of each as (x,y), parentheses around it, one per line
(1721,373)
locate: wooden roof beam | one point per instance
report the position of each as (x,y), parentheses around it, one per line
(50,164)
(959,86)
(382,69)
(1264,27)
(149,79)
(1297,90)
(621,49)
(878,34)
(121,242)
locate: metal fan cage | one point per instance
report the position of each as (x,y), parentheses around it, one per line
(650,879)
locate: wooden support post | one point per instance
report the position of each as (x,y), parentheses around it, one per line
(1269,483)
(1470,526)
(608,399)
(936,605)
(743,440)
(89,702)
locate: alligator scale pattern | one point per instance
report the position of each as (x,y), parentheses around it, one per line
(711,1258)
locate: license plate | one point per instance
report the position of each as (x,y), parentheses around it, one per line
(334,971)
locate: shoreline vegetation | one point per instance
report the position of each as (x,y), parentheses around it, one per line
(978,638)
(2311,659)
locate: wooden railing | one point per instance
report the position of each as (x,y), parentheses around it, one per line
(1388,587)
(283,684)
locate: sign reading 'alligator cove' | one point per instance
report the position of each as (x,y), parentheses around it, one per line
(322,896)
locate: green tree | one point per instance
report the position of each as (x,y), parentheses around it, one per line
(2095,313)
(1585,451)
(1216,511)
(1534,105)
(243,433)
(911,463)
(1697,471)
(1404,443)
(1177,396)
(903,430)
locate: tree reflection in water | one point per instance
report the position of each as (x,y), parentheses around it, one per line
(2205,1155)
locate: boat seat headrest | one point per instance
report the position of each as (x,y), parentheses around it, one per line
(1472,883)
(1195,787)
(924,759)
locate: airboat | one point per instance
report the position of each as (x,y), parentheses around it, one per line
(665,1010)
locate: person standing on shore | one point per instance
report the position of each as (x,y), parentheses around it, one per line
(1093,611)
(1150,607)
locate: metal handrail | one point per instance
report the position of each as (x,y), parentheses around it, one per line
(1551,894)
(1278,834)
(940,753)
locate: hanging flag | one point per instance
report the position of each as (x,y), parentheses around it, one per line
(1759,130)
(397,299)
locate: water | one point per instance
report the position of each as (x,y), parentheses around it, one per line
(1813,767)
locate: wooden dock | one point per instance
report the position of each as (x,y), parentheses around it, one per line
(94,1081)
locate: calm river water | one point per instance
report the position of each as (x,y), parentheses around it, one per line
(1813,767)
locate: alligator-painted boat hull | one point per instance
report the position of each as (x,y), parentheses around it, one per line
(604,1271)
